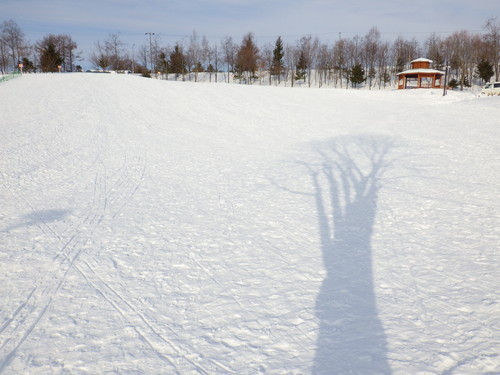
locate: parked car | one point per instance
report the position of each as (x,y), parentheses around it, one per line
(491,89)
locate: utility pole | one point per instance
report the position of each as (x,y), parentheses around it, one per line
(133,59)
(150,50)
(445,78)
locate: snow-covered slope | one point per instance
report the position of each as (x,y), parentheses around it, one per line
(152,227)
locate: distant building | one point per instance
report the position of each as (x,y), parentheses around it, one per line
(421,76)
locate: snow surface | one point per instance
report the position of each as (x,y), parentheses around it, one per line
(421,70)
(153,227)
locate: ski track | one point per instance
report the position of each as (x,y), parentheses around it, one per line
(25,318)
(183,239)
(71,245)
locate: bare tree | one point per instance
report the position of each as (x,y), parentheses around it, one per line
(403,52)
(4,56)
(229,54)
(309,46)
(67,48)
(114,48)
(13,44)
(433,50)
(371,45)
(267,60)
(207,55)
(460,47)
(100,57)
(193,55)
(478,53)
(110,54)
(340,59)
(291,59)
(218,57)
(492,38)
(213,58)
(155,52)
(383,58)
(143,56)
(323,64)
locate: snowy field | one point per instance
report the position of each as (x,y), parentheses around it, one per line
(153,227)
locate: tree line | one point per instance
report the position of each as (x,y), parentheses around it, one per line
(346,62)
(50,54)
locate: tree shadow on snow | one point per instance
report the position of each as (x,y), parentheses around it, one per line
(39,218)
(346,180)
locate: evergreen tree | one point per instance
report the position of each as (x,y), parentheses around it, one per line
(453,83)
(62,46)
(278,54)
(301,68)
(357,75)
(28,65)
(163,64)
(198,68)
(485,70)
(177,61)
(50,58)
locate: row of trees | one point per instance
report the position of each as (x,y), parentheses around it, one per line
(347,61)
(46,55)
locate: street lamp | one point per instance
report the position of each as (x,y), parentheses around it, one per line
(150,50)
(133,58)
(445,78)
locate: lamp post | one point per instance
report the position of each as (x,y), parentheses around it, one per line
(150,50)
(133,58)
(445,78)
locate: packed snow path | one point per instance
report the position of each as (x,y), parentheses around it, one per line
(152,227)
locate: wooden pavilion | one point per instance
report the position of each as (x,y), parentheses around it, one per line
(421,76)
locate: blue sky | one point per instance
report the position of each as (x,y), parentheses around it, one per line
(88,21)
